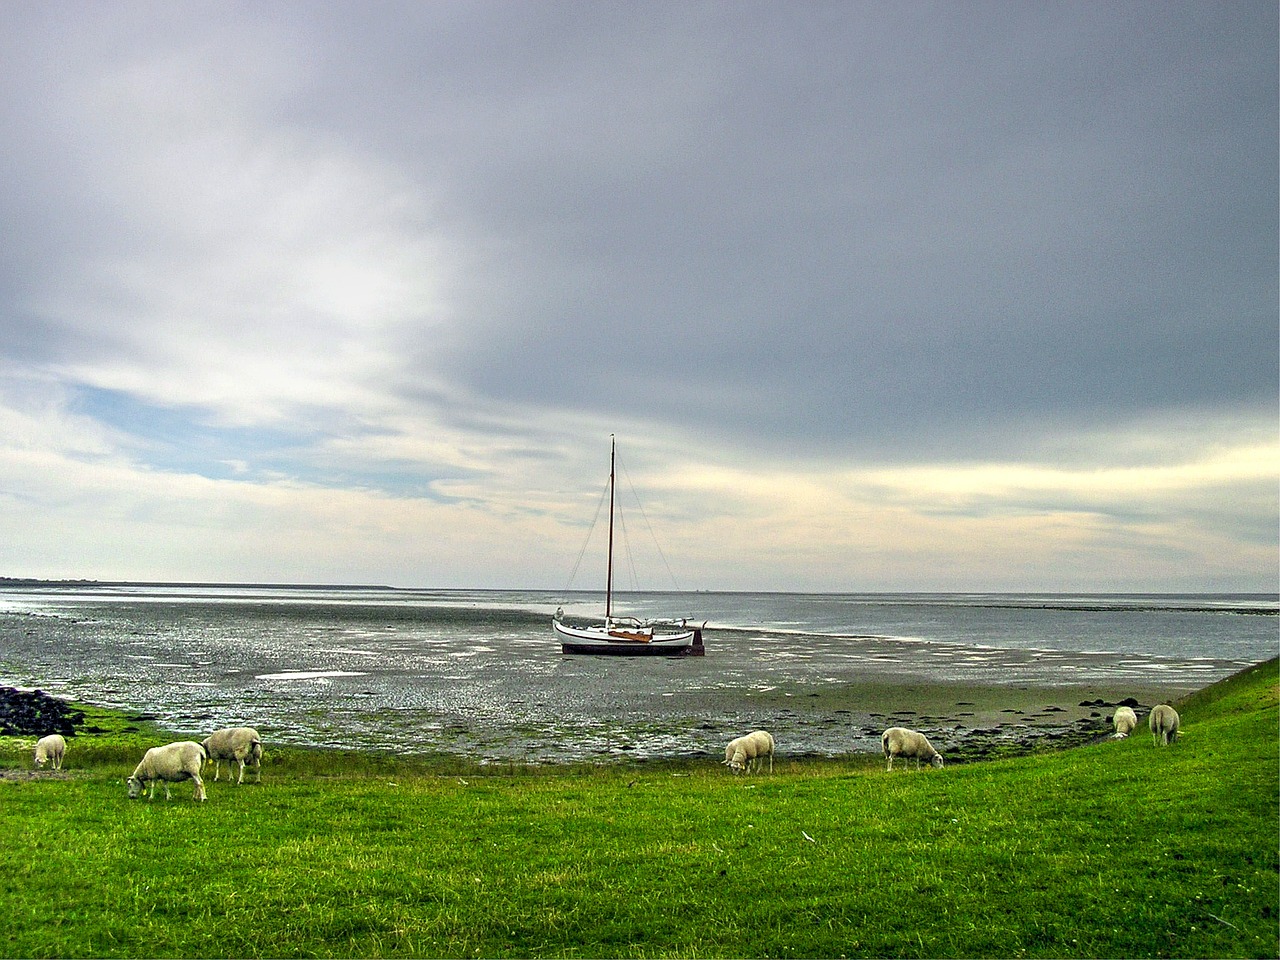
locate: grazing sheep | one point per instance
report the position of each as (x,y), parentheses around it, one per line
(742,752)
(52,748)
(901,742)
(1164,725)
(171,763)
(235,745)
(1125,720)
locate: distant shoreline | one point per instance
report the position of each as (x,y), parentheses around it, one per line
(1031,599)
(192,584)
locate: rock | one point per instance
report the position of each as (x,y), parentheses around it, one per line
(36,714)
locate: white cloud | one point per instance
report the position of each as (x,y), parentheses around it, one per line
(489,522)
(995,525)
(259,269)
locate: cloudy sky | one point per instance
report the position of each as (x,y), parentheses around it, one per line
(875,296)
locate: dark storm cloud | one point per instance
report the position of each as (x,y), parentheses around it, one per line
(901,226)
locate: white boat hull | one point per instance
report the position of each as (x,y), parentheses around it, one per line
(627,641)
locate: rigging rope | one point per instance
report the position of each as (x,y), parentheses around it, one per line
(649,526)
(621,528)
(626,549)
(586,543)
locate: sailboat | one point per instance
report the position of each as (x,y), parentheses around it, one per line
(626,636)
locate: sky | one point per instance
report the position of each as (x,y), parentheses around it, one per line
(874,296)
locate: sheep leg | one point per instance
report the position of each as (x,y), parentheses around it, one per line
(199,794)
(241,780)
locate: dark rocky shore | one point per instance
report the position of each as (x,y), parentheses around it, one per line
(36,714)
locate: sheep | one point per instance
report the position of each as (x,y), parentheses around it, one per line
(52,748)
(1164,725)
(1125,720)
(901,742)
(235,745)
(171,763)
(751,748)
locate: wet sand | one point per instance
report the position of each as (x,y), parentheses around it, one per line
(962,704)
(966,721)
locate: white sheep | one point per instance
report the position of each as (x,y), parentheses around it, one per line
(235,745)
(172,763)
(901,742)
(743,751)
(1164,725)
(50,748)
(1125,720)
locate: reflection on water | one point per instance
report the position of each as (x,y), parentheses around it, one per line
(479,674)
(309,674)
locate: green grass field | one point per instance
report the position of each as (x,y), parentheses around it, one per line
(1118,849)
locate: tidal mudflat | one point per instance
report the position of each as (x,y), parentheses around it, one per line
(479,675)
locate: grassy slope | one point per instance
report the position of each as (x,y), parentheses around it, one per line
(1118,849)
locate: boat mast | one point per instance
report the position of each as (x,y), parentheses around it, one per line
(608,585)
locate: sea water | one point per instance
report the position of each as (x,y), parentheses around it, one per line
(478,673)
